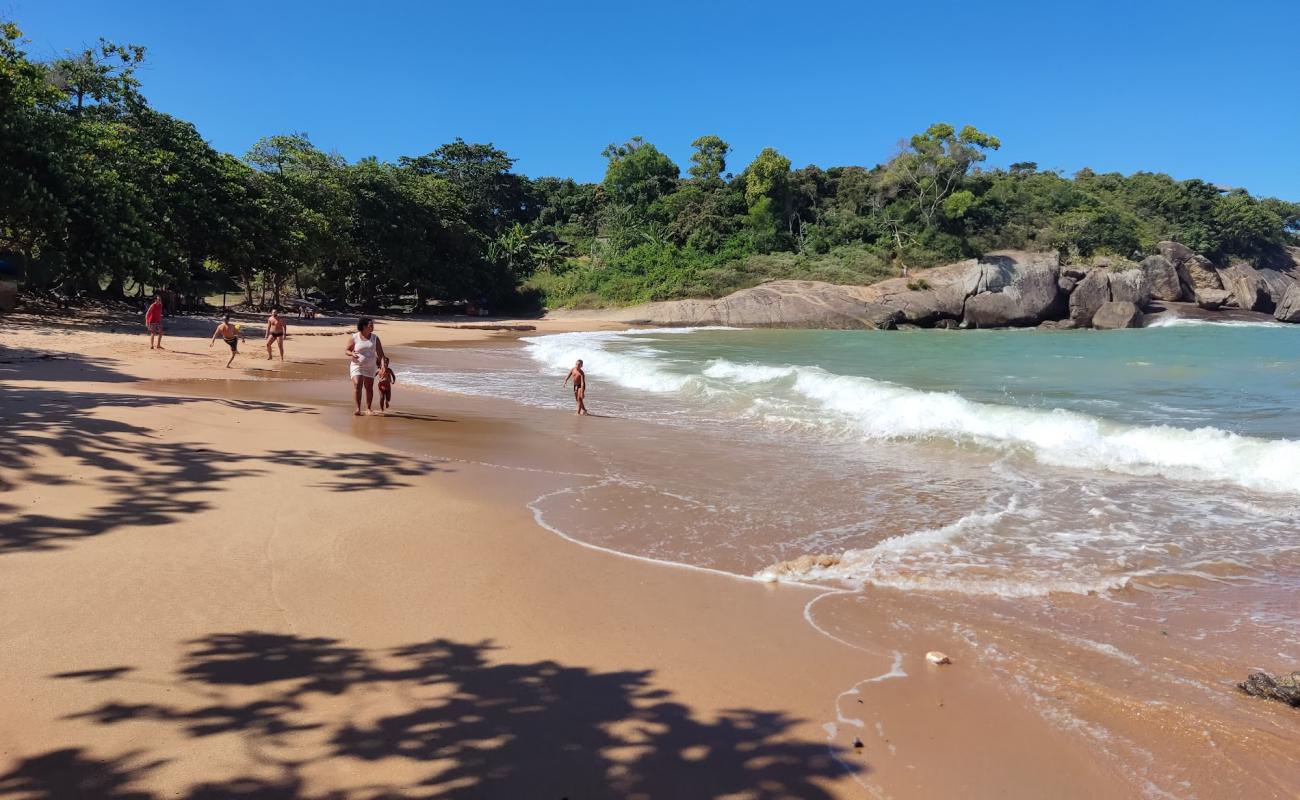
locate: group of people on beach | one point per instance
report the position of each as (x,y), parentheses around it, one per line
(369,368)
(232,334)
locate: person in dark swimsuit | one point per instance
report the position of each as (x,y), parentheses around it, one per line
(276,329)
(230,334)
(579,378)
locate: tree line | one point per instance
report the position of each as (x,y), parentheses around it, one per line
(102,194)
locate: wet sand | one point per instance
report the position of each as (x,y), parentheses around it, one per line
(232,587)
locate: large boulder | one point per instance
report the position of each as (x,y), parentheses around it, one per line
(1198,273)
(1246,286)
(1275,283)
(927,296)
(1212,299)
(1090,294)
(1117,314)
(1289,309)
(1162,277)
(1014,288)
(1175,253)
(776,304)
(1130,286)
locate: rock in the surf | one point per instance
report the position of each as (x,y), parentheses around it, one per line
(1117,314)
(1289,309)
(1212,299)
(935,657)
(1014,289)
(1162,277)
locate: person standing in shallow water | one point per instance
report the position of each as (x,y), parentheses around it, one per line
(366,353)
(153,322)
(579,378)
(276,330)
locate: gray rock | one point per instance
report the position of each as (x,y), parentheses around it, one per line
(1089,294)
(1130,286)
(776,304)
(1074,272)
(1014,288)
(1175,253)
(1066,324)
(1276,284)
(1289,309)
(1212,299)
(1198,273)
(1066,283)
(1246,286)
(944,296)
(1162,277)
(947,324)
(1117,314)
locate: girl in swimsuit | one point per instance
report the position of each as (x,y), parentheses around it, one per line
(386,380)
(230,334)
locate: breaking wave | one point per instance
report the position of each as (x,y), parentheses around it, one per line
(863,408)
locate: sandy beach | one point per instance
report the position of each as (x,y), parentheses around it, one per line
(218,583)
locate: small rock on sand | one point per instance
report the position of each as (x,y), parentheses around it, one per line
(935,657)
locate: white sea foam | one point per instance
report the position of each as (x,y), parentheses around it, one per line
(1184,322)
(850,405)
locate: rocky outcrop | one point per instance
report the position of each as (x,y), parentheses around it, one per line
(776,304)
(928,295)
(1198,273)
(1162,277)
(1014,289)
(1130,286)
(1117,314)
(1275,284)
(1243,281)
(1289,309)
(1212,299)
(1004,289)
(1089,294)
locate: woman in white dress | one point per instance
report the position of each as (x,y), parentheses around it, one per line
(366,352)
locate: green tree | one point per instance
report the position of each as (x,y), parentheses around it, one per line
(934,163)
(638,174)
(709,160)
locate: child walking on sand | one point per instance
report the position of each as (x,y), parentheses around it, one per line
(386,378)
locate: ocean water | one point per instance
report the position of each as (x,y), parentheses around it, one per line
(1108,520)
(1002,462)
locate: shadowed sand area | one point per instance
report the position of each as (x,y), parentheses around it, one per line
(219,587)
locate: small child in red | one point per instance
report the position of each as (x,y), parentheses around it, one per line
(386,378)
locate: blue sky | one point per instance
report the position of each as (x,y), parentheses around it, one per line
(1195,89)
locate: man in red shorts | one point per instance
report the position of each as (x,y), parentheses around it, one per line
(153,321)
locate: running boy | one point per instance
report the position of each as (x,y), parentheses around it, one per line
(386,379)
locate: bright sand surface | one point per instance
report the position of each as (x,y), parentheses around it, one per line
(218,583)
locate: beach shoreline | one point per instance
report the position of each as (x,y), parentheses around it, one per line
(250,589)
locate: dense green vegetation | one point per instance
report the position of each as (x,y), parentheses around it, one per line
(100,193)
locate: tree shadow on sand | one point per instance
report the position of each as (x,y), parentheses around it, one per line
(471,726)
(147,481)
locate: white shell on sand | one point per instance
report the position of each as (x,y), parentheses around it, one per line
(935,657)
